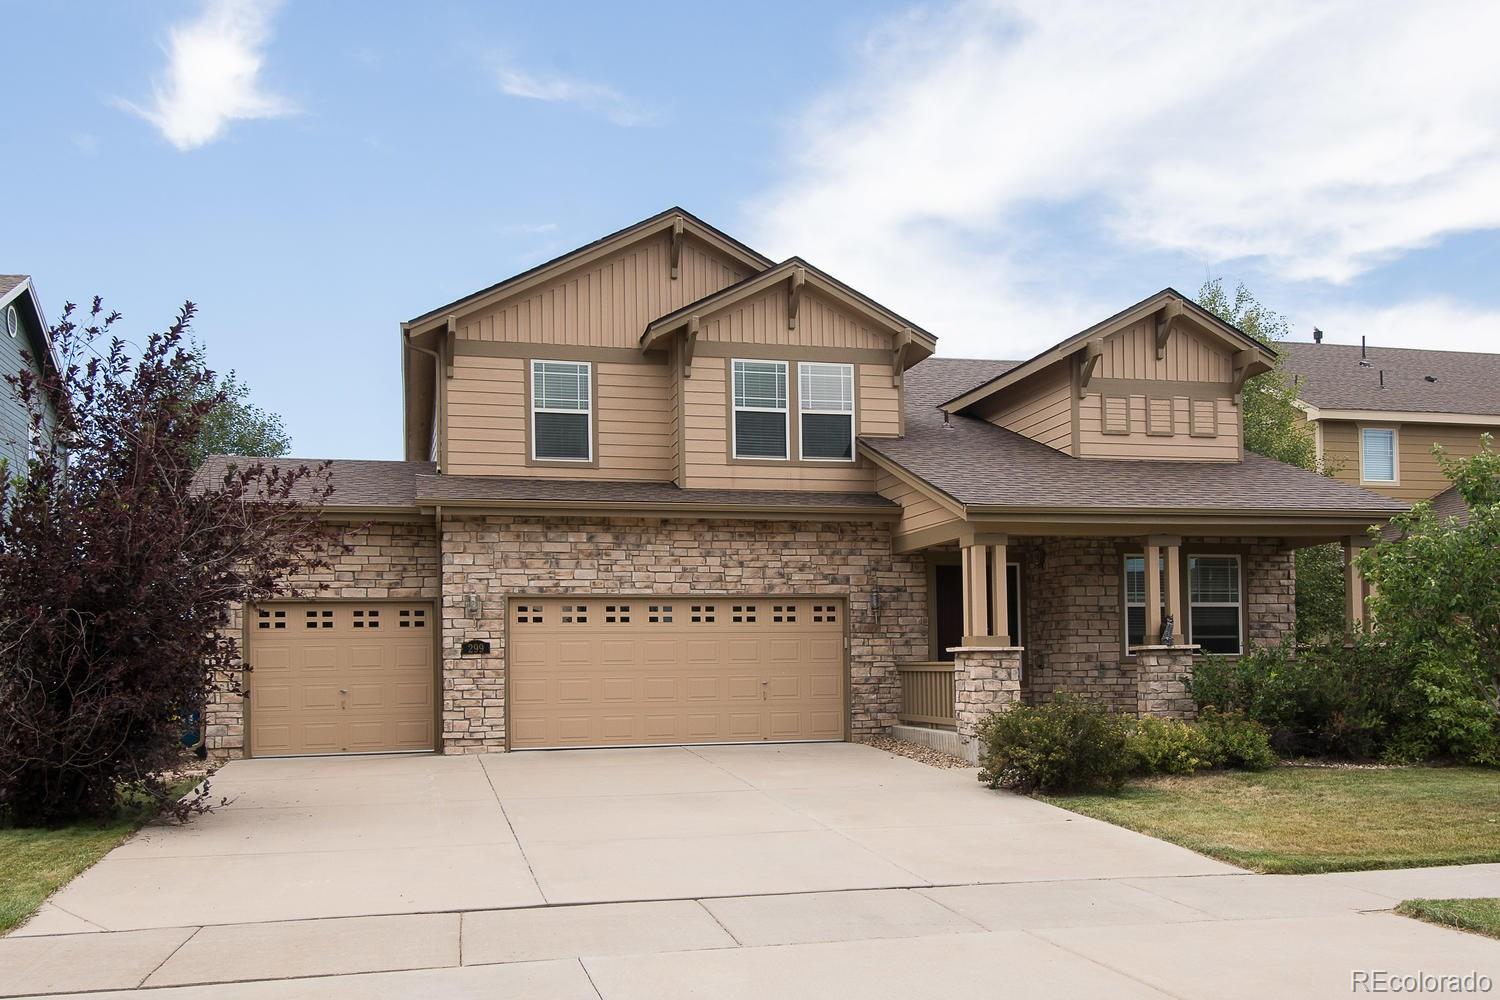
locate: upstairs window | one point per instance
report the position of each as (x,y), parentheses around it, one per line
(760,410)
(825,410)
(561,411)
(1377,454)
(1214,603)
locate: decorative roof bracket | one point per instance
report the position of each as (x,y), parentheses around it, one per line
(1091,356)
(1167,321)
(794,302)
(676,247)
(689,344)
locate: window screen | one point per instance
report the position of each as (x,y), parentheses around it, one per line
(825,405)
(561,426)
(1214,602)
(1377,455)
(760,409)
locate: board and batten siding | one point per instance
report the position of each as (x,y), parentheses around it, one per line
(488,411)
(1189,357)
(762,319)
(607,303)
(918,509)
(1040,408)
(1418,474)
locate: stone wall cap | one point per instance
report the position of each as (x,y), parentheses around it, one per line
(1009,649)
(1185,648)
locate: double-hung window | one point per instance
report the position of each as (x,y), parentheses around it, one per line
(562,427)
(1214,610)
(1135,598)
(760,409)
(825,410)
(1377,454)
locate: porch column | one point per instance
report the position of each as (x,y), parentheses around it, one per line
(1153,592)
(1172,551)
(1354,582)
(976,594)
(999,594)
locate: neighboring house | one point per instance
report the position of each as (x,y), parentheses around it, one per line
(1378,411)
(24,344)
(666,490)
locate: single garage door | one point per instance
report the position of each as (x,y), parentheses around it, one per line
(340,677)
(630,671)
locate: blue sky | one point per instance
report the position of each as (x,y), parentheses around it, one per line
(311,173)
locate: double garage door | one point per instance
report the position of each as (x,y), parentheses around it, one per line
(341,677)
(349,677)
(631,671)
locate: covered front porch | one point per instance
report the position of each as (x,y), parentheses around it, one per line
(1016,617)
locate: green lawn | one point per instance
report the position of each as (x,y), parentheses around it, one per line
(36,862)
(1482,916)
(1298,820)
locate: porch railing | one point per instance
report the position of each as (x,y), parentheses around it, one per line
(926,693)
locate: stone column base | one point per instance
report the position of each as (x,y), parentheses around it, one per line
(985,680)
(1161,681)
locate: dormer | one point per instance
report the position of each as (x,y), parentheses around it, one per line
(1160,380)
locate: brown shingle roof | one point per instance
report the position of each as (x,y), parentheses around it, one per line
(979,464)
(1329,376)
(356,482)
(10,281)
(502,489)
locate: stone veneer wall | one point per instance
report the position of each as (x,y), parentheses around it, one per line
(1073,610)
(496,556)
(396,561)
(984,681)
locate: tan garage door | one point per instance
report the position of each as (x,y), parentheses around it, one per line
(340,678)
(628,671)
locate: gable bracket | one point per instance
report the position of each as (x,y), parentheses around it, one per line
(1091,357)
(676,247)
(1242,362)
(689,344)
(903,340)
(450,344)
(1167,321)
(794,302)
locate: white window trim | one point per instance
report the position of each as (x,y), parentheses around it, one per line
(1239,606)
(852,411)
(1161,568)
(1395,479)
(534,409)
(785,411)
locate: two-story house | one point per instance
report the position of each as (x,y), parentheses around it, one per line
(665,490)
(25,345)
(1377,412)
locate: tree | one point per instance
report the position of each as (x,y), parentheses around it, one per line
(1436,605)
(1275,428)
(119,572)
(236,426)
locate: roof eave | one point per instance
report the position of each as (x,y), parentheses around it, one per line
(667,509)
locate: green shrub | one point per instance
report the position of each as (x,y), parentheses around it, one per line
(1167,746)
(1066,745)
(1236,742)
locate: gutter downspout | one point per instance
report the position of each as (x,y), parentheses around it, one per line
(438,415)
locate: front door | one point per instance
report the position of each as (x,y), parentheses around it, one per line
(948,592)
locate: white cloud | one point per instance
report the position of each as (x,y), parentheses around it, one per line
(1438,324)
(1309,142)
(598,98)
(213,74)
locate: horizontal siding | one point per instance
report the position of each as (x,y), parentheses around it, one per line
(1418,471)
(607,303)
(878,405)
(705,414)
(1190,356)
(1181,445)
(762,319)
(918,510)
(487,415)
(1040,408)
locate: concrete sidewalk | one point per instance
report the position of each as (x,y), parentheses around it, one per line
(1216,936)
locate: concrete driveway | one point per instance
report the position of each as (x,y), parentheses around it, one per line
(818,870)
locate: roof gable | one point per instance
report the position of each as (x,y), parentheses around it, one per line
(17,290)
(1172,309)
(677,221)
